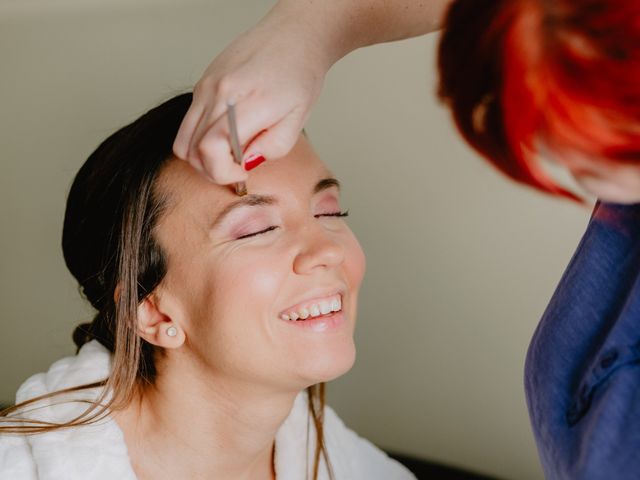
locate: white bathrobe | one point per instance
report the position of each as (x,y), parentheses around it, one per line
(98,452)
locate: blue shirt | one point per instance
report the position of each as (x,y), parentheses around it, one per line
(582,374)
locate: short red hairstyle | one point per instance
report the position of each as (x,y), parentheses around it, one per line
(519,74)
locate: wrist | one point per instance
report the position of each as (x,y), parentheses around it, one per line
(319,27)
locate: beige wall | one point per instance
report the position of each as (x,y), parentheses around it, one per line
(461,263)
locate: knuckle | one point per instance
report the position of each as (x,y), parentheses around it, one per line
(224,86)
(200,88)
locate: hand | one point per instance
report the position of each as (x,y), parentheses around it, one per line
(274,73)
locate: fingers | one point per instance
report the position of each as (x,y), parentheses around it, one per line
(278,140)
(254,116)
(271,133)
(213,159)
(186,131)
(211,101)
(197,121)
(213,153)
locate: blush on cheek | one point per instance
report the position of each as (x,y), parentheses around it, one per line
(266,281)
(257,283)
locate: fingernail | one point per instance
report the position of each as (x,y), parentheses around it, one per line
(253,161)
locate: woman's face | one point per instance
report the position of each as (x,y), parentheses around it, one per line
(606,180)
(241,270)
(617,183)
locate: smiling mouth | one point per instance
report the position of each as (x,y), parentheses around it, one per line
(315,309)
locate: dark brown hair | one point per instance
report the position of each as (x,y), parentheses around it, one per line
(109,246)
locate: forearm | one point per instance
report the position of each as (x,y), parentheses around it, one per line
(338,27)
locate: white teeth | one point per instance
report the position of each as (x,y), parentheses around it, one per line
(315,310)
(335,305)
(325,307)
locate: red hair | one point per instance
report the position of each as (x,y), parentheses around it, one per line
(562,73)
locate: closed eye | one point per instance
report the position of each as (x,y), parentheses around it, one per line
(268,229)
(335,214)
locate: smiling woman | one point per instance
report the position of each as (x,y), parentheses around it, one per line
(214,315)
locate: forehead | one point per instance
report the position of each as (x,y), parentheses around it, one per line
(295,174)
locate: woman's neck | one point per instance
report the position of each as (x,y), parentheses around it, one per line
(184,427)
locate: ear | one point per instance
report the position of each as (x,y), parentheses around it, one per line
(157,327)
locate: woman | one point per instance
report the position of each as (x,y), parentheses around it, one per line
(526,80)
(214,313)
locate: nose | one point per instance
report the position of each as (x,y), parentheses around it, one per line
(319,250)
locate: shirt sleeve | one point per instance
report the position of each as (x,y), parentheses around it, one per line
(582,374)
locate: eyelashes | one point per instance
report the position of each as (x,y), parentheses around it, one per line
(269,229)
(336,214)
(256,233)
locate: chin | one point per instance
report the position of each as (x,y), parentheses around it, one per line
(327,365)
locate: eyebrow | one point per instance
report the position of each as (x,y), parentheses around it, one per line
(326,183)
(253,200)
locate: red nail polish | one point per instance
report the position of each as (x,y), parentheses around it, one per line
(253,161)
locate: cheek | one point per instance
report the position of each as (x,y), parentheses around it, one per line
(614,184)
(218,298)
(252,281)
(355,261)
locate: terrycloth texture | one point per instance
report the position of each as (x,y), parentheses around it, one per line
(582,373)
(98,452)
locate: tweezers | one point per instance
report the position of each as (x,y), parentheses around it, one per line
(241,187)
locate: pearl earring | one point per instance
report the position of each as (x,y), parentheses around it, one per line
(172,331)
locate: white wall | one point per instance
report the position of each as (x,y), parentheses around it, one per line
(461,262)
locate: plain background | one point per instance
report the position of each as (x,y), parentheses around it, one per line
(461,262)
